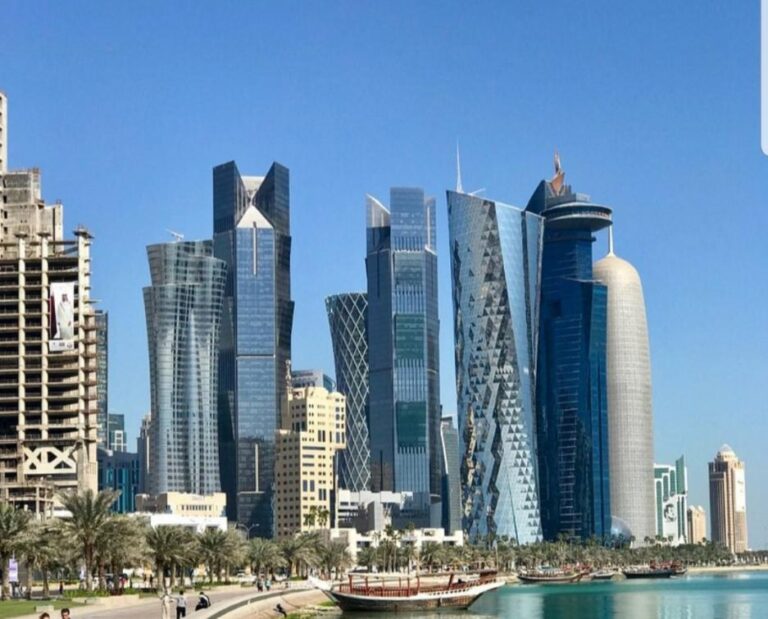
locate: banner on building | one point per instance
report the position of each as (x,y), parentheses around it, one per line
(61,311)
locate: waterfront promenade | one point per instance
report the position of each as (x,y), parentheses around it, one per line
(241,601)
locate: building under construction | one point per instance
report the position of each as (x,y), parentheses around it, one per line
(48,403)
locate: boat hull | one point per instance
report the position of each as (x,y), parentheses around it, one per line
(351,603)
(544,580)
(649,574)
(459,600)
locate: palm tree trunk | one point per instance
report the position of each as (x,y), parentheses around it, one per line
(102,576)
(88,556)
(28,581)
(6,586)
(46,584)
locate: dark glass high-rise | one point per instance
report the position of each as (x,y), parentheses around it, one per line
(251,218)
(571,400)
(401,266)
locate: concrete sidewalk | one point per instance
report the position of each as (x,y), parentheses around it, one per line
(131,606)
(262,605)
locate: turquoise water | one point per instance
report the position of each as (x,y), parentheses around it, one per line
(741,595)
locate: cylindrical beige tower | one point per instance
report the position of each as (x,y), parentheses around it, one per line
(630,412)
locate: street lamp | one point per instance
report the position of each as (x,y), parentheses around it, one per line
(247,530)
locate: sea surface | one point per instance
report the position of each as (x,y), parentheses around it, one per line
(734,595)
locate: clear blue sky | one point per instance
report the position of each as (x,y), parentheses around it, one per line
(654,107)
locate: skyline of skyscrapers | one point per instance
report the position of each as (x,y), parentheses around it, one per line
(183,306)
(33,231)
(251,234)
(630,405)
(728,500)
(571,393)
(495,254)
(347,318)
(403,349)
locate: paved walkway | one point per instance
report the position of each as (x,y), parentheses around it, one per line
(133,607)
(263,606)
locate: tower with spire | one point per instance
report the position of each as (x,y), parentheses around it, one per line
(571,399)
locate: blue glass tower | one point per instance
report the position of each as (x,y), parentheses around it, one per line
(495,266)
(404,416)
(252,235)
(571,400)
(119,470)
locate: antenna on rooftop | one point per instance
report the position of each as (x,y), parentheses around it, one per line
(177,236)
(459,188)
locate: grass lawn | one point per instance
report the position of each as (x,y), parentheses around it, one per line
(18,608)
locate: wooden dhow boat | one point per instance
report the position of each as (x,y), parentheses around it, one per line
(550,576)
(372,592)
(649,571)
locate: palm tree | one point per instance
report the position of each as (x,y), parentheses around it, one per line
(120,543)
(90,514)
(236,551)
(265,555)
(322,517)
(168,547)
(43,550)
(333,557)
(14,527)
(366,557)
(310,517)
(214,546)
(299,550)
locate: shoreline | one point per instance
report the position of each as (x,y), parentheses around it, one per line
(727,569)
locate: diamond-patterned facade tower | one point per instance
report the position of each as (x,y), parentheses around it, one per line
(495,265)
(347,317)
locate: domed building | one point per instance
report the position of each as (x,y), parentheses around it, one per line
(630,412)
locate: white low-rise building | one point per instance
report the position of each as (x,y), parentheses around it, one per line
(416,537)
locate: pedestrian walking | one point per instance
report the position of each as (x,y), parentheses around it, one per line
(165,604)
(181,605)
(279,609)
(61,587)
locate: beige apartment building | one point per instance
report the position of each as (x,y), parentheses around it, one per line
(47,345)
(313,422)
(697,524)
(728,500)
(183,504)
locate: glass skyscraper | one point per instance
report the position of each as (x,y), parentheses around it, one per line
(495,266)
(451,488)
(183,311)
(119,470)
(401,265)
(347,317)
(571,400)
(251,220)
